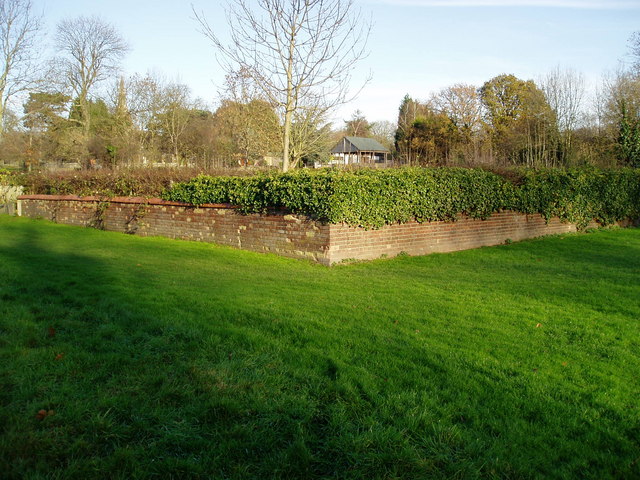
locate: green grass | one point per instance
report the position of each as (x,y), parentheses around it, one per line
(168,359)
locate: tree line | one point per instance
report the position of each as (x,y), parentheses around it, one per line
(83,112)
(286,69)
(510,121)
(286,72)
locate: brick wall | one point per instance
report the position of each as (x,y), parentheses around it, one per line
(423,238)
(286,235)
(282,234)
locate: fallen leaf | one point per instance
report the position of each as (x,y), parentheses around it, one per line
(538,325)
(52,332)
(60,356)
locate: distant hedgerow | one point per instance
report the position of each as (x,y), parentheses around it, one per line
(136,182)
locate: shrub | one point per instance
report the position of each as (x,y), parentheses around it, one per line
(143,182)
(372,198)
(7,177)
(580,195)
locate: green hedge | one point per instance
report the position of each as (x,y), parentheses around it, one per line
(127,182)
(581,195)
(372,198)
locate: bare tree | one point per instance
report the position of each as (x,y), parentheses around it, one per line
(174,116)
(250,120)
(461,103)
(18,30)
(91,51)
(160,112)
(300,53)
(384,131)
(634,50)
(144,98)
(620,91)
(310,133)
(144,103)
(564,90)
(357,125)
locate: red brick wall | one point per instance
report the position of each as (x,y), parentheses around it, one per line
(287,235)
(422,238)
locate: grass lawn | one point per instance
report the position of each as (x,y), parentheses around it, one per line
(155,358)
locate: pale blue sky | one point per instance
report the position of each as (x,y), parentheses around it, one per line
(416,47)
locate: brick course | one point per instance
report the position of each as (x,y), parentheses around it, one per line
(284,234)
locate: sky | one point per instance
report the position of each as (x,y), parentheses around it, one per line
(416,47)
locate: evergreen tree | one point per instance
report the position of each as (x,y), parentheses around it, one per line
(629,139)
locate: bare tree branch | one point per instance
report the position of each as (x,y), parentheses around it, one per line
(90,52)
(19,27)
(301,54)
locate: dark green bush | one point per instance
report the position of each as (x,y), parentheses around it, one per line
(372,198)
(581,195)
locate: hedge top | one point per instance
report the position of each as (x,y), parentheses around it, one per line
(373,198)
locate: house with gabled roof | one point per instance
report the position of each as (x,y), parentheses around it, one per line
(359,150)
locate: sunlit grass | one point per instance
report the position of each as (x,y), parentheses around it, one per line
(175,359)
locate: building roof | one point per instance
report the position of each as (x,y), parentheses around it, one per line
(358,144)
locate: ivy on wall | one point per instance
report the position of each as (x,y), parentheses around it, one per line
(373,198)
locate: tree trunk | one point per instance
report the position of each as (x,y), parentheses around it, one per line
(86,115)
(286,140)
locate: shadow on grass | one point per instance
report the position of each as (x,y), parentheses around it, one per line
(129,388)
(74,345)
(155,371)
